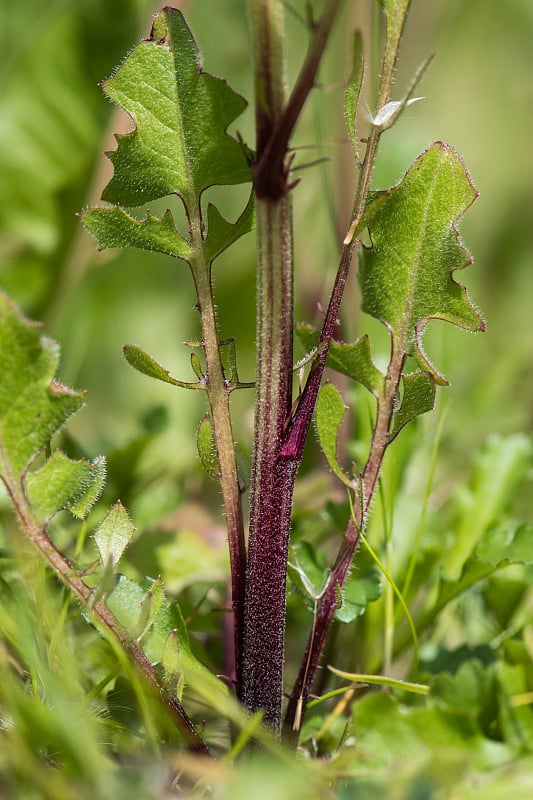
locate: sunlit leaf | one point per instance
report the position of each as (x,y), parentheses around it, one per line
(179,146)
(407,274)
(65,484)
(114,534)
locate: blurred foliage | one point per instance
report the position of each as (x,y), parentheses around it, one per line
(73,721)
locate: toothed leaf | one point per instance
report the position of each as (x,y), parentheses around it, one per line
(65,484)
(114,534)
(407,275)
(178,145)
(33,407)
(114,227)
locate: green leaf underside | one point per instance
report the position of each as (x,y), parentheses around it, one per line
(145,364)
(114,534)
(329,412)
(418,397)
(406,276)
(307,569)
(357,592)
(178,146)
(33,407)
(353,360)
(353,88)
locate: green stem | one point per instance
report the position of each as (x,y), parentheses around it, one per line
(103,618)
(218,396)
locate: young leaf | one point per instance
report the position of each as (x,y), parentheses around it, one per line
(205,442)
(328,416)
(353,89)
(33,407)
(144,363)
(406,276)
(114,534)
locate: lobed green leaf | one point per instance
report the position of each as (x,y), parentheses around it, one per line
(407,275)
(33,407)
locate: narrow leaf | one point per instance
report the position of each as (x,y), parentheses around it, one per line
(144,363)
(353,89)
(328,416)
(114,534)
(407,275)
